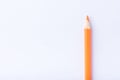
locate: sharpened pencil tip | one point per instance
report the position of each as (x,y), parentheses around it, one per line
(87,18)
(87,22)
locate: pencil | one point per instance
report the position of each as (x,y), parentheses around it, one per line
(88,50)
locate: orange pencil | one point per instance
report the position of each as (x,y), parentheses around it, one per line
(88,50)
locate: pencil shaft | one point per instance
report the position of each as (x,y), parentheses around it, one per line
(88,54)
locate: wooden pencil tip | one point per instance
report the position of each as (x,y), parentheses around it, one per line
(87,18)
(87,22)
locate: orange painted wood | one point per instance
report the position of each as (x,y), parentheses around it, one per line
(88,53)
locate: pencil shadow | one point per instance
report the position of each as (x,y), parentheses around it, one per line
(92,32)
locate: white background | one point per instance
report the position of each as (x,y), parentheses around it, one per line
(43,39)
